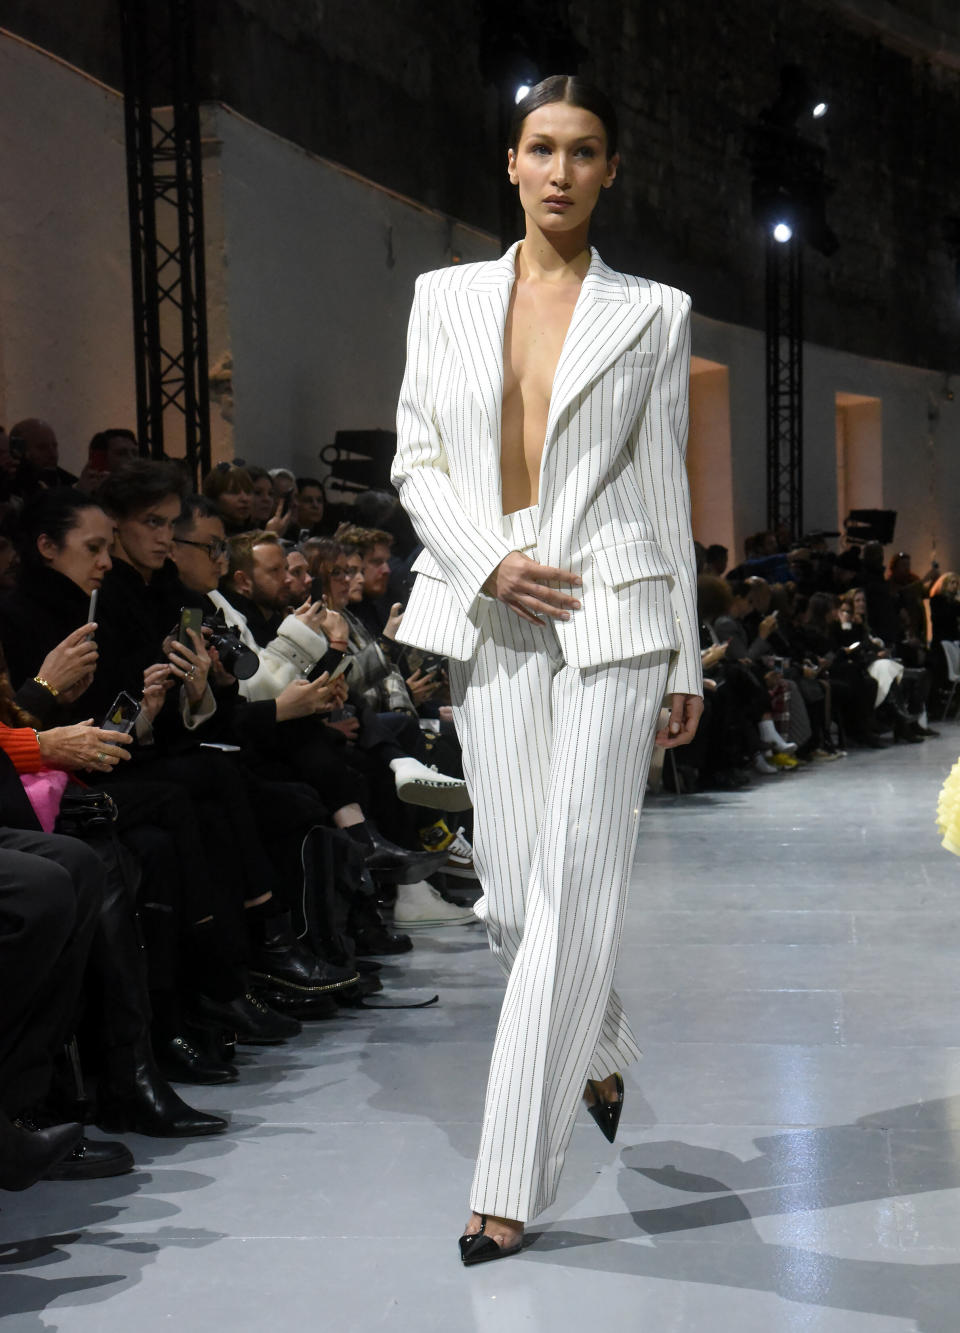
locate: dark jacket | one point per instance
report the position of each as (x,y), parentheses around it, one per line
(42,610)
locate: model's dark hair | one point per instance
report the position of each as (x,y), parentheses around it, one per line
(577,92)
(138,485)
(50,514)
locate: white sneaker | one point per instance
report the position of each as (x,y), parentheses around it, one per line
(460,858)
(761,765)
(419,785)
(419,905)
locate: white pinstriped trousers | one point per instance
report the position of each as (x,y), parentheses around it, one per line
(556,759)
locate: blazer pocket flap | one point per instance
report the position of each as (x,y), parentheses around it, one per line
(425,564)
(630,561)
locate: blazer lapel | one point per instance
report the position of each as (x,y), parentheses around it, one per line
(475,318)
(608,316)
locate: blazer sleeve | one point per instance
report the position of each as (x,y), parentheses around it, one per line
(466,552)
(660,458)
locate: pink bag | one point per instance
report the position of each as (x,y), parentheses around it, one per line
(44,791)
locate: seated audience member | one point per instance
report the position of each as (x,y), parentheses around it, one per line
(301,579)
(716,561)
(875,656)
(910,592)
(310,506)
(257,585)
(263,505)
(231,491)
(51,888)
(310,754)
(131,1092)
(945,608)
(255,853)
(109,451)
(36,443)
(285,521)
(374,546)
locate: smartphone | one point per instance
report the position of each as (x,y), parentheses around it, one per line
(191,617)
(334,661)
(123,714)
(92,609)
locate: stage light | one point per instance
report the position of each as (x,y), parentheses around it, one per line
(820,110)
(782,232)
(521,92)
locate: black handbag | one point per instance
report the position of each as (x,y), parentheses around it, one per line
(84,811)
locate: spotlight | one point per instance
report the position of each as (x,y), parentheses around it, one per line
(820,110)
(782,232)
(521,92)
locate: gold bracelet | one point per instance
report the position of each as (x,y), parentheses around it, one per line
(52,689)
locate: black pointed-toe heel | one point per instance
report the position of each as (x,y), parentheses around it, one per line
(480,1249)
(606,1114)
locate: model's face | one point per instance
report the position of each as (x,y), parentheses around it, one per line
(354,567)
(201,555)
(560,166)
(262,501)
(84,556)
(236,505)
(300,579)
(146,539)
(271,582)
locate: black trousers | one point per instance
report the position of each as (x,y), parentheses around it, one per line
(50,892)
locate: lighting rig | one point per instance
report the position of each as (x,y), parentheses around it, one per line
(790,189)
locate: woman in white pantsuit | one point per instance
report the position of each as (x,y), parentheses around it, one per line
(540,454)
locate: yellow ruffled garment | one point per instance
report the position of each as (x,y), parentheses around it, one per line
(948,811)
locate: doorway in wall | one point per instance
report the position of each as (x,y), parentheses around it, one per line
(708,455)
(859,454)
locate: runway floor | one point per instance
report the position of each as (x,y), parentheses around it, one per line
(789,1157)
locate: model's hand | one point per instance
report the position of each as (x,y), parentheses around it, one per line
(686,711)
(83,746)
(526,587)
(71,660)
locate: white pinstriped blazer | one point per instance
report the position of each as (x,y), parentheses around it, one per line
(614,503)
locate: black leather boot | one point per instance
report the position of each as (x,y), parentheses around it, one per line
(133,1097)
(382,855)
(88,1159)
(281,960)
(26,1155)
(253,1022)
(182,1061)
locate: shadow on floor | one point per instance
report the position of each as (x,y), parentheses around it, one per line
(907,1151)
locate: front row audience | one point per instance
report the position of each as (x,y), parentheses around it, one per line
(224,784)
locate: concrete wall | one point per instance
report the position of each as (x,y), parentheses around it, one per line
(317,273)
(65,308)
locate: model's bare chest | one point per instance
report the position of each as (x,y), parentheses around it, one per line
(536,326)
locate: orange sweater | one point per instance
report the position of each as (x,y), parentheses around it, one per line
(22,746)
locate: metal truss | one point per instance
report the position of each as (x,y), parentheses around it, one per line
(165,191)
(785,384)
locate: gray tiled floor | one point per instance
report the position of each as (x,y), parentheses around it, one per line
(789,1159)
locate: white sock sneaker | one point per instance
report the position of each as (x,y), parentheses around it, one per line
(419,905)
(769,733)
(419,785)
(761,765)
